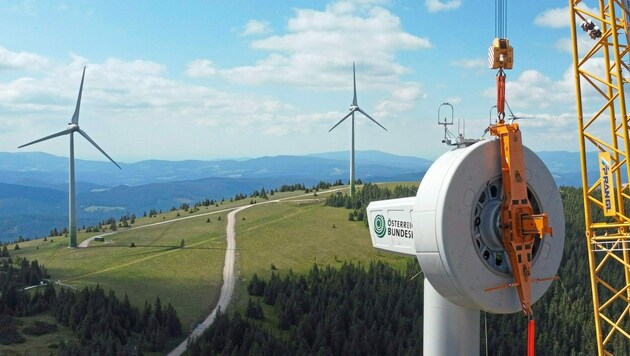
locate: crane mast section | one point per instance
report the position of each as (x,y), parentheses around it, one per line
(603,126)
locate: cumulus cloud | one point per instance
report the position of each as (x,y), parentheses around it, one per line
(319,46)
(470,63)
(439,5)
(21,60)
(407,92)
(403,98)
(548,131)
(566,45)
(554,18)
(136,106)
(255,27)
(318,49)
(201,68)
(454,100)
(533,90)
(558,17)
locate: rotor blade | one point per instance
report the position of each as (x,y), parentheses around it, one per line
(340,121)
(61,133)
(369,117)
(75,117)
(95,145)
(354,81)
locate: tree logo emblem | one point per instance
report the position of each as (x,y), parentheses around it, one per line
(379,225)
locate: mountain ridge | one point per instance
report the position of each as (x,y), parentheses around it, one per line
(33,185)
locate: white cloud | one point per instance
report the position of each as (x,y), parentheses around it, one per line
(559,17)
(407,92)
(276,130)
(255,27)
(21,60)
(439,5)
(201,68)
(564,44)
(533,90)
(454,100)
(325,42)
(144,112)
(319,47)
(549,131)
(134,108)
(554,18)
(403,98)
(585,43)
(470,63)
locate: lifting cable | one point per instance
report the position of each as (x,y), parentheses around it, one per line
(500,19)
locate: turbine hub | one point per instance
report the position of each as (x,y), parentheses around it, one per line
(73,127)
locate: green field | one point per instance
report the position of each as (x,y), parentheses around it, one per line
(189,277)
(292,235)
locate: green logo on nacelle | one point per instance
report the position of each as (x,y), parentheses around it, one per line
(379,225)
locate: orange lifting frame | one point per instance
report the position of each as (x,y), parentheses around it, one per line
(519,225)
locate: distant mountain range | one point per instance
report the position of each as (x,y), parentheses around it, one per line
(34,185)
(44,170)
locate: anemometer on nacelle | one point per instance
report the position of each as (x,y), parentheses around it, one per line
(449,139)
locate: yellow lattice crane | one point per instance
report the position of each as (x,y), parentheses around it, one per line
(600,44)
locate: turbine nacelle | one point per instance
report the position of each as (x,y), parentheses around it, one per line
(72,127)
(355,106)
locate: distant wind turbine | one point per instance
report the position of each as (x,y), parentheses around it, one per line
(73,127)
(354,107)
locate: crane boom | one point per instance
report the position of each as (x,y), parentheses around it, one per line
(603,127)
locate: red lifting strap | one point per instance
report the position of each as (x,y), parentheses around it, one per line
(501,94)
(530,337)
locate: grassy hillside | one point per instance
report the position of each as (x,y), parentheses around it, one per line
(290,235)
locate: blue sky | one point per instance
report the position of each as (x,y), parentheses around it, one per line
(229,79)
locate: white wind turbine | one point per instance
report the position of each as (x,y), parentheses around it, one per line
(354,107)
(73,126)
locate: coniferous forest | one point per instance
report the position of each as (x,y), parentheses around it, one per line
(377,310)
(102,323)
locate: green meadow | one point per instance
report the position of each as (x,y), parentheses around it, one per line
(181,261)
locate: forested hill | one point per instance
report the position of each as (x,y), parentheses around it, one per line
(378,310)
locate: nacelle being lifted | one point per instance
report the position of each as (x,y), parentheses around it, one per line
(452,227)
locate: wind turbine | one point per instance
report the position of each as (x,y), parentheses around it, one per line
(73,126)
(354,107)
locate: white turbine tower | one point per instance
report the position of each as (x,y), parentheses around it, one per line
(354,107)
(73,127)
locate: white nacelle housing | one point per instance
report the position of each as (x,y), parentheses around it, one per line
(391,227)
(451,226)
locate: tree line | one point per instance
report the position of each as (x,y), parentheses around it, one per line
(101,322)
(364,196)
